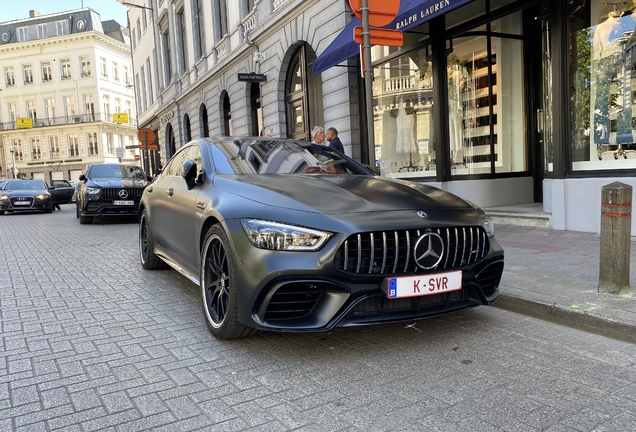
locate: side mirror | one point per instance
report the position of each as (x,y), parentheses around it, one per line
(189,173)
(82,177)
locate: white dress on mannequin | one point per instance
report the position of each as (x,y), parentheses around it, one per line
(405,141)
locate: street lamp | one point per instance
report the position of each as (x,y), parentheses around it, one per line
(15,170)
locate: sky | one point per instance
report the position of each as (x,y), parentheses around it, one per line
(19,9)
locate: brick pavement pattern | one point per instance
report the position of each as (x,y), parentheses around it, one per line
(91,341)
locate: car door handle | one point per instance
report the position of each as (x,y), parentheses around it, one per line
(170,192)
(201,205)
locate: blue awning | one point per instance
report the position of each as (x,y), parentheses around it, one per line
(411,13)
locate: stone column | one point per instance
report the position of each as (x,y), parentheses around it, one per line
(616,222)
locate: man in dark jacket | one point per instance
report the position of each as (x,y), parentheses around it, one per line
(334,141)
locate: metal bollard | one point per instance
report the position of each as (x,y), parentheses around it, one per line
(616,223)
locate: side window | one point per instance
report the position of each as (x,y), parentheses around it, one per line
(174,165)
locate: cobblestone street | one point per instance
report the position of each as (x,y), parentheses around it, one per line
(91,341)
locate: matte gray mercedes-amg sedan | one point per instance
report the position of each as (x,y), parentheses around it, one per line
(291,236)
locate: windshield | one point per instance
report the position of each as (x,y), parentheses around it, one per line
(256,156)
(116,171)
(25,185)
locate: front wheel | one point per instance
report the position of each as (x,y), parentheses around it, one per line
(218,287)
(1,212)
(149,260)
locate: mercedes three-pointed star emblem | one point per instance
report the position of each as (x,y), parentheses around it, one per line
(428,250)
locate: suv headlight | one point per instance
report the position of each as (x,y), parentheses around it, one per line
(92,191)
(278,236)
(4,197)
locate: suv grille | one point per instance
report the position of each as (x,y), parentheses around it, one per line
(113,194)
(391,252)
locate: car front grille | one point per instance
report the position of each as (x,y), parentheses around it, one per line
(22,202)
(293,301)
(113,194)
(391,252)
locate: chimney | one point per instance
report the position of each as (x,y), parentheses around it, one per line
(34,14)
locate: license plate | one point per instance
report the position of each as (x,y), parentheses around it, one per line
(21,203)
(422,285)
(124,202)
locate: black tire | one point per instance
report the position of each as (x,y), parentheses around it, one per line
(218,292)
(49,209)
(85,220)
(1,212)
(77,215)
(149,260)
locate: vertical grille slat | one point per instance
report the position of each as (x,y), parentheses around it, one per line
(358,253)
(384,249)
(397,251)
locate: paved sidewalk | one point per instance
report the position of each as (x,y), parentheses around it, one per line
(553,275)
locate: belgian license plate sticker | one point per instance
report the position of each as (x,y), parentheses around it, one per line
(124,202)
(22,203)
(422,285)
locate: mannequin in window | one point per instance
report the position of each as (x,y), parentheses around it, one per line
(457,78)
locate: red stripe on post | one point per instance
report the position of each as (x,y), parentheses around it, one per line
(616,214)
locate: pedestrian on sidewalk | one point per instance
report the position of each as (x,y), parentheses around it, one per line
(334,141)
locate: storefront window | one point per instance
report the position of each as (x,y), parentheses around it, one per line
(486,103)
(603,83)
(403,116)
(544,114)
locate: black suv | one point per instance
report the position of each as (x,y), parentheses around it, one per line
(110,189)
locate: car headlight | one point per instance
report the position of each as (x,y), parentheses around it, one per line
(92,191)
(4,197)
(277,236)
(489,226)
(42,196)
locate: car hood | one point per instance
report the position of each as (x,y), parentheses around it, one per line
(339,194)
(29,192)
(117,183)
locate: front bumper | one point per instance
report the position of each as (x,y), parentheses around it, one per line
(307,292)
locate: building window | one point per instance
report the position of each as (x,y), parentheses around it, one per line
(103,67)
(110,145)
(226,114)
(199,26)
(42,31)
(117,105)
(61,28)
(86,66)
(133,40)
(66,69)
(47,76)
(221,18)
(126,75)
(54,147)
(203,120)
(50,110)
(73,145)
(181,39)
(138,30)
(31,110)
(603,88)
(93,148)
(28,74)
(69,108)
(9,76)
(186,126)
(23,34)
(144,101)
(256,109)
(115,72)
(129,111)
(165,45)
(145,18)
(106,102)
(13,108)
(296,97)
(36,151)
(151,96)
(89,105)
(17,146)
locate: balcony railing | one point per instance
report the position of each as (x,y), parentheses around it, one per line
(67,120)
